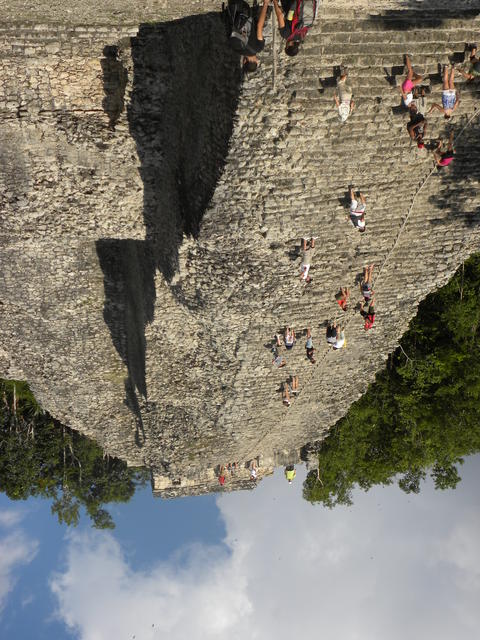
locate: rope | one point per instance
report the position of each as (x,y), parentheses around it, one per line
(274,53)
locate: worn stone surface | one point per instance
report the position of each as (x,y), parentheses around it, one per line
(152,209)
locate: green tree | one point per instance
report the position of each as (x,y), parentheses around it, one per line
(40,457)
(423,411)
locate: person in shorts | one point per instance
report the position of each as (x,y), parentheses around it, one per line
(450,99)
(369,314)
(474,66)
(344,97)
(256,42)
(366,286)
(410,82)
(357,210)
(309,346)
(289,338)
(335,335)
(444,158)
(308,251)
(417,126)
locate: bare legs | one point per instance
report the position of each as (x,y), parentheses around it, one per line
(414,77)
(367,274)
(286,395)
(473,60)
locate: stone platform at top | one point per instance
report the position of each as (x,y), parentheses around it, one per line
(117,12)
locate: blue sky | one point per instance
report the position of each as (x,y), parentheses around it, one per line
(263,564)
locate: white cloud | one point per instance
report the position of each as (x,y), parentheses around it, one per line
(10,518)
(16,549)
(392,566)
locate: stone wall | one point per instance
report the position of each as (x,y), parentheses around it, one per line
(152,210)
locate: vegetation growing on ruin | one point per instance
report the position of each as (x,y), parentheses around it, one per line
(422,415)
(40,457)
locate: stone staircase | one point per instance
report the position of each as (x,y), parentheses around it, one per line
(70,181)
(292,179)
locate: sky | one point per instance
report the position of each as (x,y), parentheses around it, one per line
(259,564)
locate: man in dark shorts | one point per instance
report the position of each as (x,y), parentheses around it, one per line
(417,126)
(256,42)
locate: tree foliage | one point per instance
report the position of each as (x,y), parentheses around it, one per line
(40,457)
(423,411)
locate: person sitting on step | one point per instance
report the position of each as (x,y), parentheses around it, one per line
(342,298)
(474,66)
(335,335)
(444,158)
(417,126)
(367,283)
(450,99)
(308,251)
(411,80)
(309,346)
(289,337)
(357,210)
(344,97)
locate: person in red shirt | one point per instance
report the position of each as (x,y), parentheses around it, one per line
(368,315)
(342,298)
(221,475)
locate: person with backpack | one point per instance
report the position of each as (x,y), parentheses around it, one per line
(246,36)
(294,21)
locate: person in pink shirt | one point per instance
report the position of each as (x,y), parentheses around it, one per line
(410,82)
(444,158)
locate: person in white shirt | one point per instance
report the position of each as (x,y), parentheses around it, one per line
(357,210)
(308,248)
(344,97)
(335,335)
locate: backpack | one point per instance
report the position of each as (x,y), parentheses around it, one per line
(303,19)
(242,18)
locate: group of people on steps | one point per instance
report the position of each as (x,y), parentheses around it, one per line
(294,19)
